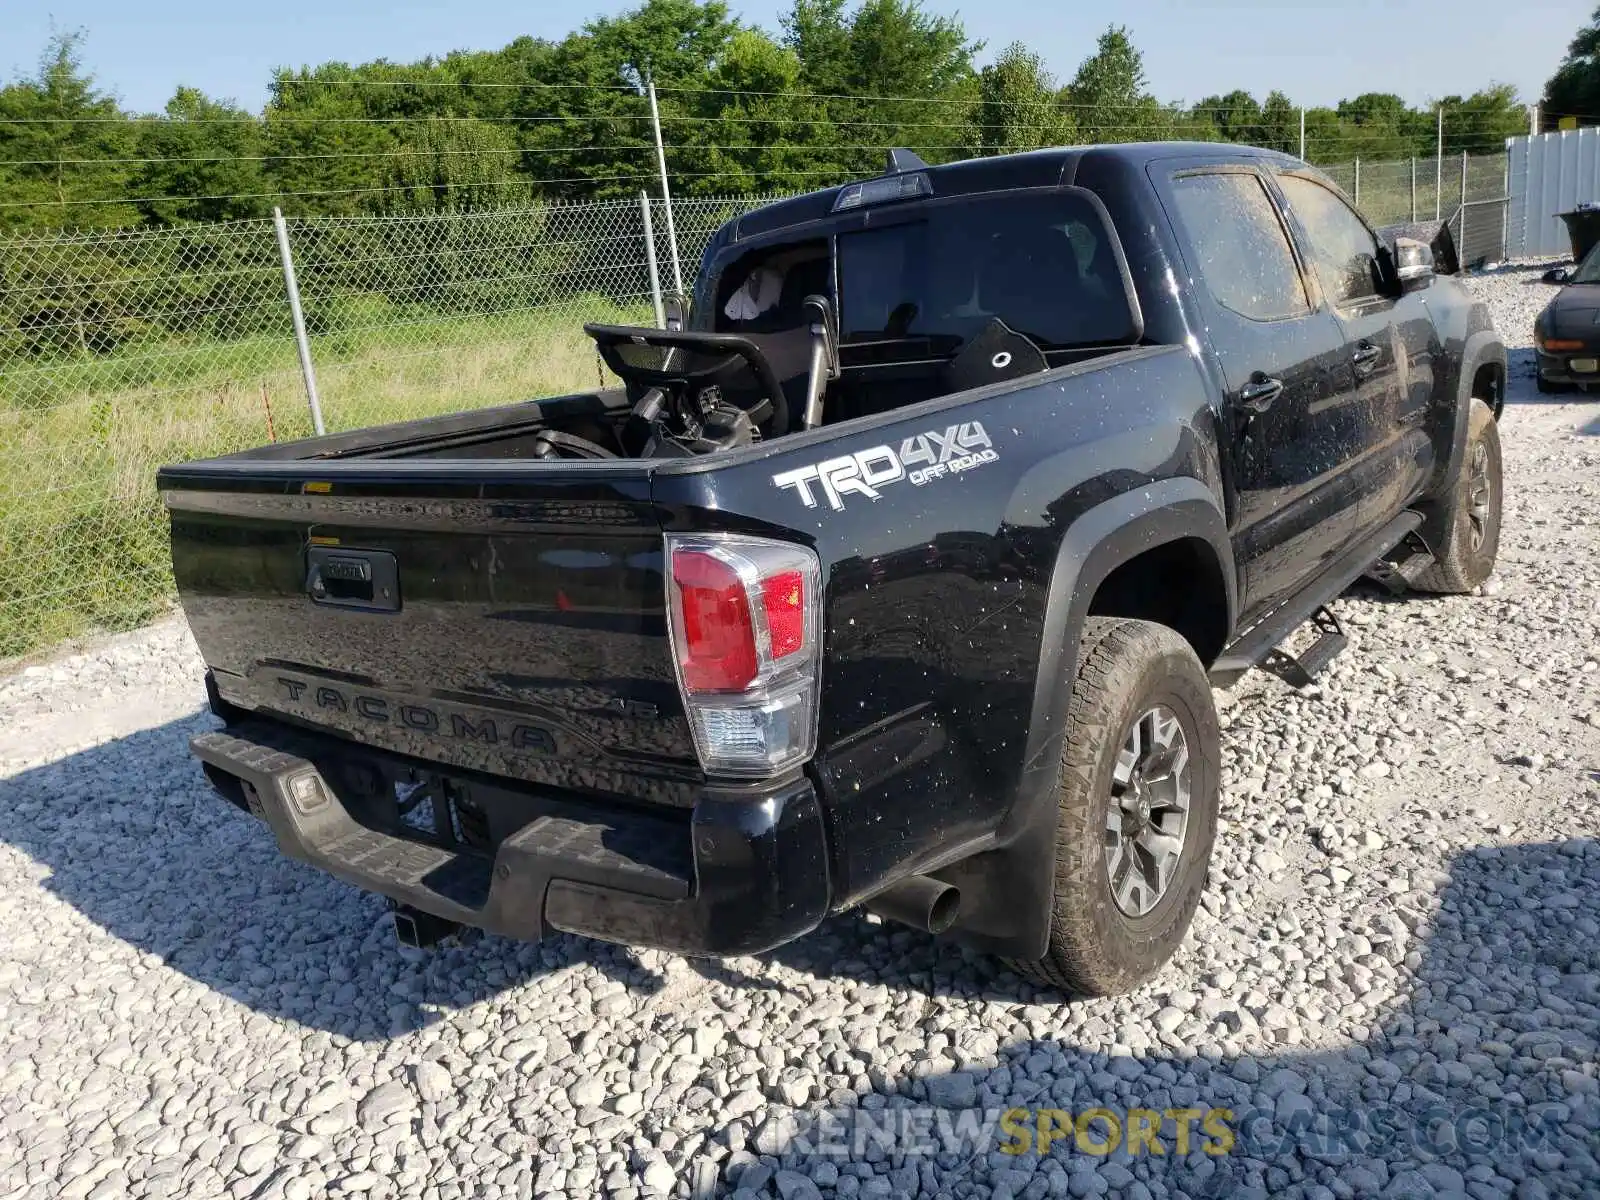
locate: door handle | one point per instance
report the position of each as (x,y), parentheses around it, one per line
(1366,357)
(1259,394)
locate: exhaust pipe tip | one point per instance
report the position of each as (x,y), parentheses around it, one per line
(922,902)
(418,930)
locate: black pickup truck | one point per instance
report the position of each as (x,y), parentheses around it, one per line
(897,573)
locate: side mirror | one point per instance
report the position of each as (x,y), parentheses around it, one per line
(1413,264)
(1557,275)
(676,312)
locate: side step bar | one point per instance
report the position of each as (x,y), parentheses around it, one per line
(1398,570)
(1255,645)
(1299,670)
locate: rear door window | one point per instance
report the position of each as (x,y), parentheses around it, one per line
(1044,263)
(1242,248)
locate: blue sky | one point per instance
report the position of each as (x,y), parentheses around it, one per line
(1318,53)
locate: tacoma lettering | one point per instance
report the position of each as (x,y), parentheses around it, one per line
(463,727)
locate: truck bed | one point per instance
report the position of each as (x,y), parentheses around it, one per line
(505,431)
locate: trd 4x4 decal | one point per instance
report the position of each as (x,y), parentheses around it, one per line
(921,459)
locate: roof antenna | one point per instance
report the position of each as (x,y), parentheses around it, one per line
(901,161)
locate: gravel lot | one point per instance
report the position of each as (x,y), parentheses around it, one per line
(1402,937)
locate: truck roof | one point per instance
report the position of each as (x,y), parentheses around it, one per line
(1002,172)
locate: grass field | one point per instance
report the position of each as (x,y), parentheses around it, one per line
(83,536)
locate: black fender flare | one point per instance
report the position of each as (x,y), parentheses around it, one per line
(1480,348)
(1007,891)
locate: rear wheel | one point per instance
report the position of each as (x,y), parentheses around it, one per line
(1466,556)
(1137,796)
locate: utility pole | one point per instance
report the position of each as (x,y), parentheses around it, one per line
(1302,134)
(666,193)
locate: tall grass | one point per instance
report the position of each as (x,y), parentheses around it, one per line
(83,535)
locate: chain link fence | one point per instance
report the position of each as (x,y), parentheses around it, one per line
(414,316)
(121,351)
(124,350)
(1467,191)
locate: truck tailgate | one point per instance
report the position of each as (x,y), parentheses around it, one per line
(488,619)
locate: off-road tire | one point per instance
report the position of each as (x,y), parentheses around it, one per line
(1125,668)
(1459,565)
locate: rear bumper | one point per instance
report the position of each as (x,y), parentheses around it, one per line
(1557,368)
(748,869)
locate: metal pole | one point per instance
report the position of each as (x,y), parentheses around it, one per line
(1302,134)
(1533,120)
(1413,187)
(292,287)
(1461,234)
(1438,167)
(1505,206)
(666,193)
(650,258)
(1357,196)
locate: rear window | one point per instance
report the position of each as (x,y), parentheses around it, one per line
(1043,263)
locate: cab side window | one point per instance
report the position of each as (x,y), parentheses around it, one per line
(1243,251)
(1341,246)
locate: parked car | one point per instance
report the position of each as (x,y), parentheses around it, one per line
(1566,334)
(900,578)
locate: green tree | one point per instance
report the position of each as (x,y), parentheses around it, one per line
(818,32)
(1574,90)
(766,132)
(592,132)
(1237,117)
(64,144)
(1481,123)
(1280,124)
(1376,126)
(460,165)
(202,162)
(1018,108)
(325,147)
(902,77)
(1108,96)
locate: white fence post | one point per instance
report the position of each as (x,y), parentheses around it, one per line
(292,287)
(1438,167)
(650,258)
(666,193)
(1357,196)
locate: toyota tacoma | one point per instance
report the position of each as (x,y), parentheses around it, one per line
(897,572)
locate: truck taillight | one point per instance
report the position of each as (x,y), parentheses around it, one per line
(746,621)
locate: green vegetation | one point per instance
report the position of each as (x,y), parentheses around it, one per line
(743,109)
(83,539)
(1574,90)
